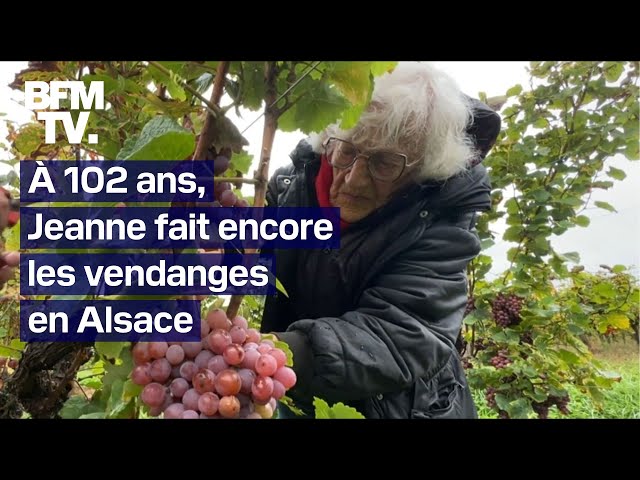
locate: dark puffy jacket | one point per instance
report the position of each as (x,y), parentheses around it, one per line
(374,323)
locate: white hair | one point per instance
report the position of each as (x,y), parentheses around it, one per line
(420,111)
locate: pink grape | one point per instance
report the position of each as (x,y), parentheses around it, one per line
(265,411)
(233,354)
(269,342)
(228,198)
(242,203)
(245,411)
(160,370)
(174,410)
(229,407)
(250,346)
(190,399)
(178,387)
(245,401)
(204,328)
(190,414)
(239,321)
(208,403)
(153,394)
(141,353)
(220,164)
(247,377)
(279,355)
(219,187)
(202,359)
(141,375)
(155,411)
(238,335)
(278,390)
(217,364)
(266,365)
(175,354)
(191,349)
(253,335)
(250,359)
(158,349)
(203,381)
(262,389)
(188,370)
(286,376)
(218,340)
(264,348)
(217,320)
(228,382)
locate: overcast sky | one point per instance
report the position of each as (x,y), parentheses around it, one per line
(611,238)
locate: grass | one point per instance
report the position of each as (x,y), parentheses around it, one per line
(621,401)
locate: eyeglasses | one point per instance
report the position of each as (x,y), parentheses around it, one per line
(383,165)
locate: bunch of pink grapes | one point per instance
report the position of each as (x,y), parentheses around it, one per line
(231,373)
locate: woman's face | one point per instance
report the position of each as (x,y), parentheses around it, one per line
(357,193)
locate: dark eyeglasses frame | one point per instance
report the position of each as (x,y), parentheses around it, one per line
(360,154)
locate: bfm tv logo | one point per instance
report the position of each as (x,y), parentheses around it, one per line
(48,96)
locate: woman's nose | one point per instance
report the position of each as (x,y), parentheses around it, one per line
(358,172)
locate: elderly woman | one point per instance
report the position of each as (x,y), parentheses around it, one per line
(374,323)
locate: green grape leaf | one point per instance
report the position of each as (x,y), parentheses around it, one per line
(79,407)
(12,237)
(317,106)
(616,173)
(379,68)
(161,139)
(110,349)
(94,415)
(582,221)
(287,351)
(286,401)
(351,116)
(353,79)
(253,85)
(613,70)
(605,206)
(110,84)
(337,410)
(29,138)
(242,161)
(514,91)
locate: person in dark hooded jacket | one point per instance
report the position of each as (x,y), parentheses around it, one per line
(374,323)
